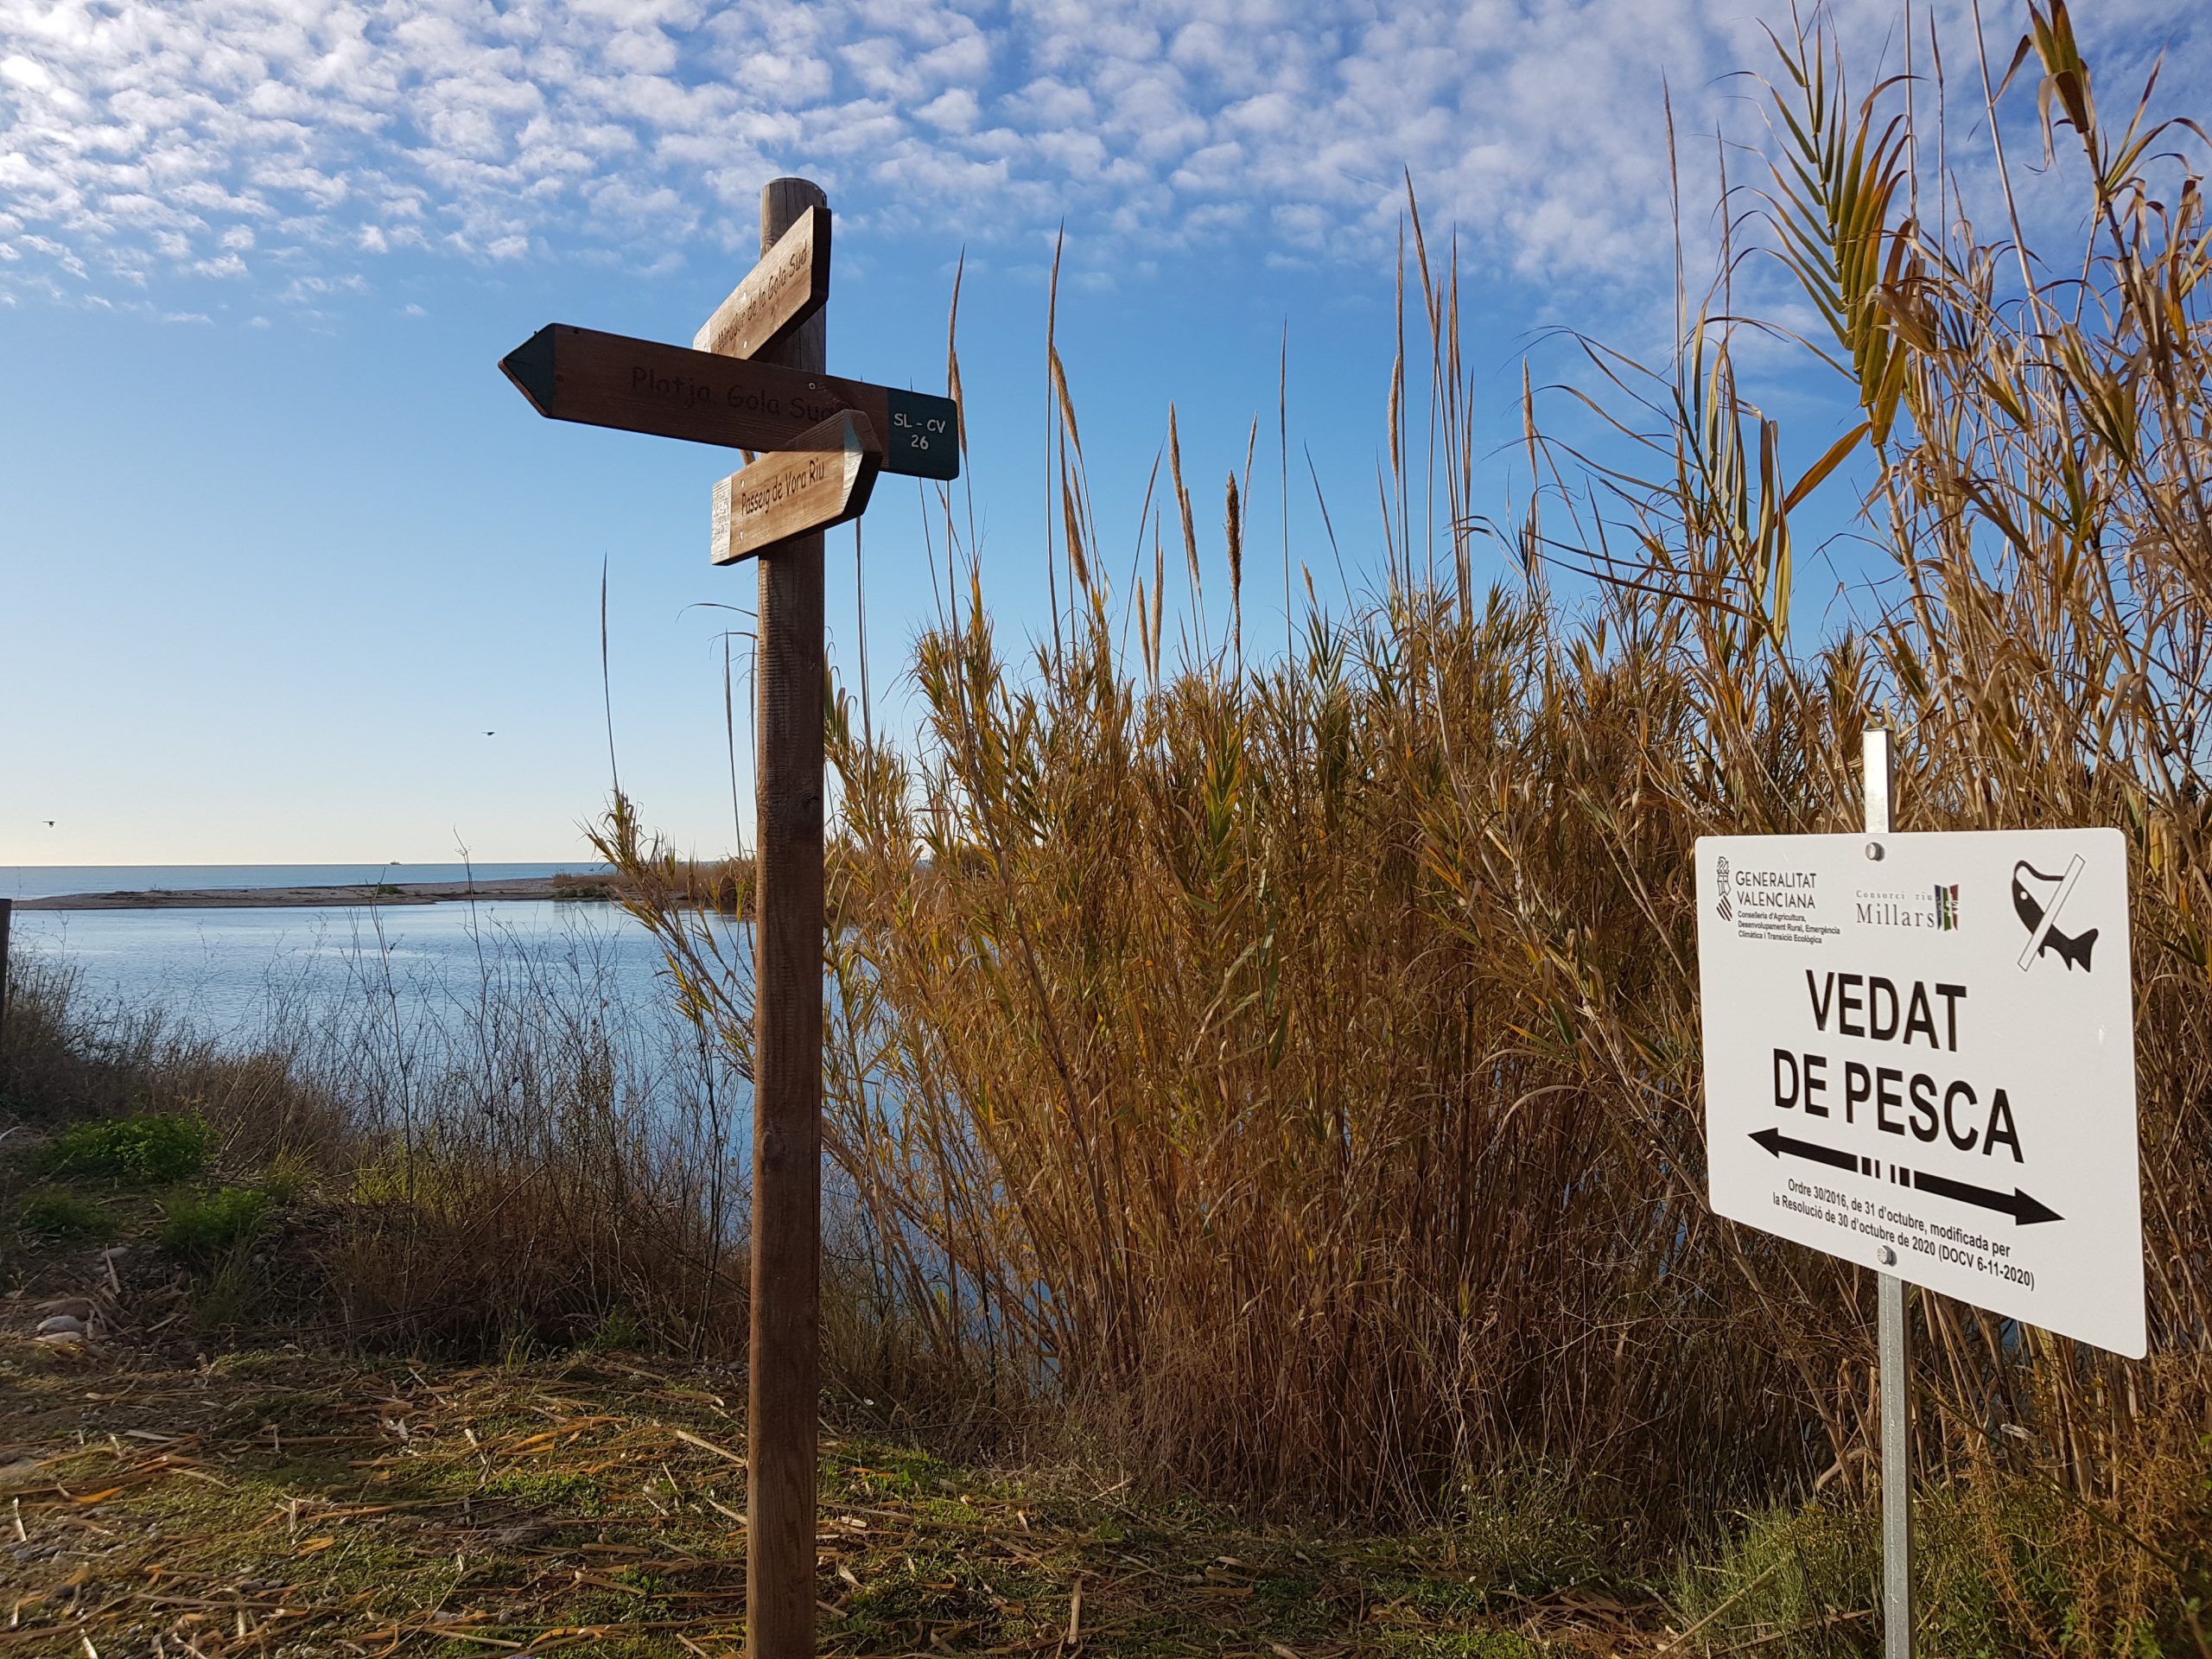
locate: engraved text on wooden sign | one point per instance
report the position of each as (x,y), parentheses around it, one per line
(642,385)
(786,287)
(823,478)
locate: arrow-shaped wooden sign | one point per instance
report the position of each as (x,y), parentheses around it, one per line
(786,287)
(641,385)
(823,478)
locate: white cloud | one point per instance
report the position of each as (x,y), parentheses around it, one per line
(955,109)
(25,72)
(179,136)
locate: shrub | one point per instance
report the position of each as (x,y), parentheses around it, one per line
(2000,1564)
(288,1175)
(200,1229)
(60,1215)
(143,1149)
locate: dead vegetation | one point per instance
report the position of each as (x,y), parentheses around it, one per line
(1286,1067)
(272,1501)
(1275,1079)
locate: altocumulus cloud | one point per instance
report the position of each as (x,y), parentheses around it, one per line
(290,145)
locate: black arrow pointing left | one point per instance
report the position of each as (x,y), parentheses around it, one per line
(2024,1209)
(1776,1143)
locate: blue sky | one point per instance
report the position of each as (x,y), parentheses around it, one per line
(280,547)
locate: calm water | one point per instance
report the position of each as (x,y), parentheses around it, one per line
(47,881)
(236,973)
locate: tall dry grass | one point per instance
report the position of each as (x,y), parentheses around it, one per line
(1290,1069)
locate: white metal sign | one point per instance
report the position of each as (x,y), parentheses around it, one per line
(1924,1062)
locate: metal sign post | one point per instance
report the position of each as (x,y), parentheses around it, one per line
(1920,1058)
(1895,1328)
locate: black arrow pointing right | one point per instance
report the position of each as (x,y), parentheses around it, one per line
(2017,1204)
(1777,1143)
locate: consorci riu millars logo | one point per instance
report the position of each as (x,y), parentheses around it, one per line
(1720,879)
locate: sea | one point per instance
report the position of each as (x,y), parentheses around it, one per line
(51,880)
(237,976)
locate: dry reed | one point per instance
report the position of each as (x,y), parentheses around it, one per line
(1290,1070)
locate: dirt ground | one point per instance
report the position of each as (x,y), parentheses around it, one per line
(155,1499)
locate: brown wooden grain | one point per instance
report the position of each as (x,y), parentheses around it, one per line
(670,392)
(823,479)
(787,1059)
(777,295)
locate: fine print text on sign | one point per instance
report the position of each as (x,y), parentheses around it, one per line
(823,479)
(1925,1063)
(641,385)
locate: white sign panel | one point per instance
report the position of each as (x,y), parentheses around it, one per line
(1925,1063)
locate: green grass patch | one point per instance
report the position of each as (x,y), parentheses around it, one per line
(617,1330)
(870,1468)
(570,1494)
(62,1215)
(900,1603)
(1791,1581)
(144,1150)
(200,1229)
(1532,1529)
(289,1176)
(1462,1644)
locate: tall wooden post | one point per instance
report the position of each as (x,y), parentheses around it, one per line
(755,380)
(7,911)
(787,1055)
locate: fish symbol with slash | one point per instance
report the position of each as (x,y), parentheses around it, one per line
(2037,908)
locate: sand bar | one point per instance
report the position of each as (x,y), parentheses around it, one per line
(356,896)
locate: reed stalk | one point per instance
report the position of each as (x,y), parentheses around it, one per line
(1287,1072)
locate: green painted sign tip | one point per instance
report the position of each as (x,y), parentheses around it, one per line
(530,365)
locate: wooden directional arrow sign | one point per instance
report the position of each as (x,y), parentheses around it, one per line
(823,479)
(640,386)
(786,287)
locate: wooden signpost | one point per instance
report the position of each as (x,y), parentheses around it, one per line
(823,479)
(787,287)
(671,391)
(757,382)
